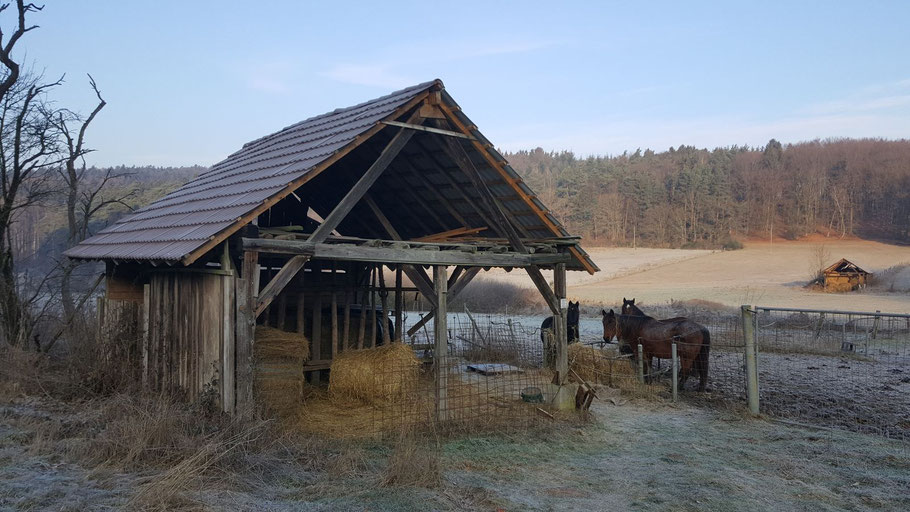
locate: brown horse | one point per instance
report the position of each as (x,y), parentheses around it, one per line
(693,341)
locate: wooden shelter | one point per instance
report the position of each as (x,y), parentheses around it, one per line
(291,231)
(844,276)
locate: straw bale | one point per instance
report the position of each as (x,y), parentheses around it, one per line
(275,344)
(597,366)
(380,374)
(279,359)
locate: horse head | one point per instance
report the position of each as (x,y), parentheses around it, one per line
(611,325)
(628,306)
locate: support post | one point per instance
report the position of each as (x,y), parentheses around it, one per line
(440,352)
(399,304)
(748,316)
(247,291)
(561,323)
(675,372)
(146,299)
(641,364)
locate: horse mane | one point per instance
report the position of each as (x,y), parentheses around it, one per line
(631,325)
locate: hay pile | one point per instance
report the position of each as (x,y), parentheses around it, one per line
(598,366)
(380,374)
(279,357)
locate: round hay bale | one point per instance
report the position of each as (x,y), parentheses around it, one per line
(380,374)
(597,366)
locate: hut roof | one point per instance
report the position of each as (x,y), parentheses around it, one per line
(185,224)
(842,266)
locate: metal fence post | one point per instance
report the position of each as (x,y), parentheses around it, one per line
(641,364)
(748,315)
(675,371)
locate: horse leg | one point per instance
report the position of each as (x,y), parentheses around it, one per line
(685,367)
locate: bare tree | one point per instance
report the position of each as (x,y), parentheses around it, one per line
(28,147)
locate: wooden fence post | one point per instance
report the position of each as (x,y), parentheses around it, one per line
(675,372)
(641,364)
(440,352)
(748,316)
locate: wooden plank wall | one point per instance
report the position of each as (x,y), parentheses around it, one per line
(189,344)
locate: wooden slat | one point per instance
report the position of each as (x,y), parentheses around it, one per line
(245,329)
(395,255)
(228,346)
(399,304)
(429,129)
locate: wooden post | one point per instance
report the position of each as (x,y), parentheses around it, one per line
(228,376)
(247,285)
(384,304)
(399,304)
(316,341)
(561,323)
(361,328)
(334,324)
(282,311)
(748,316)
(372,317)
(440,352)
(675,371)
(146,297)
(346,334)
(300,314)
(641,364)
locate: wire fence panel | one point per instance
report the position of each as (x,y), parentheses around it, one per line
(838,369)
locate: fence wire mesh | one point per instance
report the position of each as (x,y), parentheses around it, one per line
(839,369)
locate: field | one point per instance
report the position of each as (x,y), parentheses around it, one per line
(767,274)
(635,456)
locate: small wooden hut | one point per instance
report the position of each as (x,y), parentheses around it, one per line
(844,276)
(291,230)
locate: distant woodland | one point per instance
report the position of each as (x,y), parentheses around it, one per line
(689,197)
(683,197)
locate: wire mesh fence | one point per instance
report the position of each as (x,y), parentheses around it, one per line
(836,368)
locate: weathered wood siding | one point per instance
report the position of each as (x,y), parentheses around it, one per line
(189,346)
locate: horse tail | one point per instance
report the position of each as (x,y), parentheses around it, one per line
(702,359)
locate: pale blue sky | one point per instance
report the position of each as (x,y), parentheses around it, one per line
(189,82)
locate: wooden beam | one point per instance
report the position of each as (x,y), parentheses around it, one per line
(544,288)
(429,129)
(445,235)
(454,289)
(281,279)
(460,156)
(399,304)
(363,184)
(386,224)
(394,255)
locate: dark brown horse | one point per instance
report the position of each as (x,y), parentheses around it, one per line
(693,341)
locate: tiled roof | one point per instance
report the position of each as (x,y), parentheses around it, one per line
(184,220)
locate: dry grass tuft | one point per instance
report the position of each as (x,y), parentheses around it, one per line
(380,374)
(413,463)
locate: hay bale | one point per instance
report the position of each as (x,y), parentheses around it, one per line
(279,358)
(380,374)
(276,345)
(597,366)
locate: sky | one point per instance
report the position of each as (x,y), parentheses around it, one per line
(190,82)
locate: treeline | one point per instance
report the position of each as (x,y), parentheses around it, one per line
(38,234)
(689,197)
